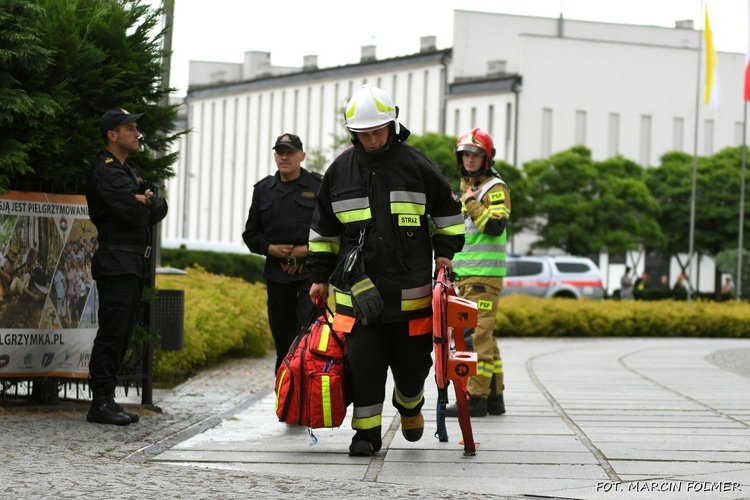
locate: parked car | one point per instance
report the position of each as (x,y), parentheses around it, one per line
(553,276)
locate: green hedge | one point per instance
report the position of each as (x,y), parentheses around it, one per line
(524,316)
(249,267)
(224,316)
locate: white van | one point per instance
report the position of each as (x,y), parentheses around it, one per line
(561,276)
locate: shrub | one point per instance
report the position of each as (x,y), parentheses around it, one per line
(223,316)
(524,316)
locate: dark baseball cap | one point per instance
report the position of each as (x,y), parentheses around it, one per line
(290,141)
(118,116)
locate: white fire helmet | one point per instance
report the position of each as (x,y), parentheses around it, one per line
(370,108)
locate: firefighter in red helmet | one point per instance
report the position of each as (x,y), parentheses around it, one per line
(480,266)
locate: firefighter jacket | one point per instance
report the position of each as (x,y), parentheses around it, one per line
(385,200)
(280,213)
(123,223)
(486,215)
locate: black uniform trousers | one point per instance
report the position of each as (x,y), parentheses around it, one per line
(371,349)
(119,299)
(289,309)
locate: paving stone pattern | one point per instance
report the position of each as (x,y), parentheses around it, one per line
(587,419)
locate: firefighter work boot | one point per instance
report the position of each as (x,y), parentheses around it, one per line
(102,413)
(495,404)
(134,417)
(360,448)
(477,408)
(366,442)
(412,427)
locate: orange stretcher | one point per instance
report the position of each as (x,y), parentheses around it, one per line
(452,361)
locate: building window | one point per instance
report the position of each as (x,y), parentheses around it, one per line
(645,140)
(613,148)
(473,122)
(580,129)
(456,122)
(546,133)
(708,138)
(678,134)
(393,85)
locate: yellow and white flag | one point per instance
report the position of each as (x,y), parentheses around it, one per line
(711,89)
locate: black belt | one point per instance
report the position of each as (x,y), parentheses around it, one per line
(145,251)
(290,261)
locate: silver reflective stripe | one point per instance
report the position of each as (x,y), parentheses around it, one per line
(487,247)
(409,196)
(368,411)
(448,220)
(317,237)
(353,204)
(416,293)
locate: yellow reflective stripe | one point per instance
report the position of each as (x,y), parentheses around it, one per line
(498,368)
(323,247)
(408,402)
(342,298)
(399,207)
(454,230)
(383,108)
(416,304)
(325,335)
(278,388)
(350,111)
(484,369)
(325,393)
(354,215)
(367,423)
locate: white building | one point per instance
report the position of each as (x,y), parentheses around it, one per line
(537,85)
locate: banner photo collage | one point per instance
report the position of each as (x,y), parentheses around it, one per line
(49,302)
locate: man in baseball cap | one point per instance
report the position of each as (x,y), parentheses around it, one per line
(124,210)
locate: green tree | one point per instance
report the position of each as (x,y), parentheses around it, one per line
(717,200)
(102,54)
(522,209)
(439,149)
(24,105)
(584,207)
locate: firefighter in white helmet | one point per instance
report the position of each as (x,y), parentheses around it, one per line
(480,266)
(370,238)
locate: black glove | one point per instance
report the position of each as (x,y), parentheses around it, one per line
(366,300)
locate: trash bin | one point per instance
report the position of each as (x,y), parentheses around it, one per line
(169,319)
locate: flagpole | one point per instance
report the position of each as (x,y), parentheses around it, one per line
(742,206)
(695,156)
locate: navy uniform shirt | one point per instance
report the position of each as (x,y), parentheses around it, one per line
(119,217)
(280,213)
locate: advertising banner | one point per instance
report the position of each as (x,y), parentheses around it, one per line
(48,308)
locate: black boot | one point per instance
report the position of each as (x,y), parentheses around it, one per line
(134,417)
(477,408)
(102,413)
(366,442)
(495,404)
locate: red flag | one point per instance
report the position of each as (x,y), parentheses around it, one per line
(747,58)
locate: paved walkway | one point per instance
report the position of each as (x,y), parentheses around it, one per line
(587,419)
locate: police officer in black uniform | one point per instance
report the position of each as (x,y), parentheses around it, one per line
(124,211)
(278,227)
